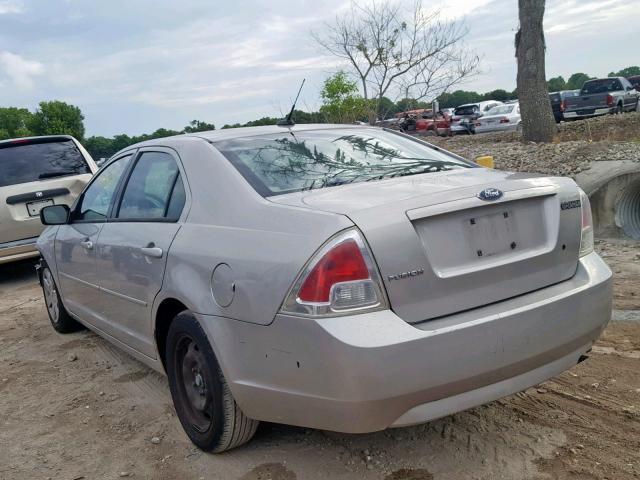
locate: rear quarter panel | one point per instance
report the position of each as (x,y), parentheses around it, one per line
(264,245)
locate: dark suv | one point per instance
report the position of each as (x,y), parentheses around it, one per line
(558,103)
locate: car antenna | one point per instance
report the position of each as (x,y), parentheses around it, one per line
(287,121)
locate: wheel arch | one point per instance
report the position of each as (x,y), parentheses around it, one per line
(167,310)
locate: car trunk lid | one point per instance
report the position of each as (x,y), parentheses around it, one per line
(441,249)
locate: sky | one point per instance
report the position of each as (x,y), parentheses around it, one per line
(134,66)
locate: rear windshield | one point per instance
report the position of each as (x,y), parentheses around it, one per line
(288,162)
(35,160)
(601,86)
(501,110)
(466,110)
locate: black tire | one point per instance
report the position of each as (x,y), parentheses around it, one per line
(58,315)
(206,409)
(619,109)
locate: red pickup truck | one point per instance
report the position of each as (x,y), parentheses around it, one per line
(421,121)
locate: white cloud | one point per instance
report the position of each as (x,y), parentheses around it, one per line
(20,70)
(11,6)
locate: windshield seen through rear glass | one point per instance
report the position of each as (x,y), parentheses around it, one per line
(290,162)
(33,160)
(465,110)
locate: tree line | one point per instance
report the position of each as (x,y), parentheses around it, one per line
(341,103)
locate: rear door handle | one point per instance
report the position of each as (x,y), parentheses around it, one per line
(87,244)
(151,251)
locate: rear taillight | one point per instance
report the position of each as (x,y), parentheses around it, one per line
(586,237)
(504,120)
(609,99)
(563,105)
(339,279)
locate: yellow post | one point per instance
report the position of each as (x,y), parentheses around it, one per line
(485,161)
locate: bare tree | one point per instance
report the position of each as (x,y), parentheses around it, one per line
(394,52)
(538,124)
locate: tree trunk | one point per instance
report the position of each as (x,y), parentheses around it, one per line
(538,124)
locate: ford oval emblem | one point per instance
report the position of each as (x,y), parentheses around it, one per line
(490,194)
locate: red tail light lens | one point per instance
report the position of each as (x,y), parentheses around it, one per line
(340,278)
(344,263)
(563,105)
(609,100)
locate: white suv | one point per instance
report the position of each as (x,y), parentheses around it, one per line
(36,172)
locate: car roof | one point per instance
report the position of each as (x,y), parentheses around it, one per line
(42,137)
(241,132)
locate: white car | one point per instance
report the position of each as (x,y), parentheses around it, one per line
(499,119)
(465,116)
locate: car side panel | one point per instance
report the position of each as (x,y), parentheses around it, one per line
(264,245)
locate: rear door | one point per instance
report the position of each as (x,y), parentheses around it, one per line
(75,243)
(133,246)
(35,173)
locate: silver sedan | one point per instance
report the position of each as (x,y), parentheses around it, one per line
(500,119)
(344,278)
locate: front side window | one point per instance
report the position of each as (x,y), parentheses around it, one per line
(96,199)
(290,162)
(30,160)
(149,194)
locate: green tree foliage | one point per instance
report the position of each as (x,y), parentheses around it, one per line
(406,104)
(576,80)
(198,126)
(459,97)
(57,118)
(556,84)
(499,94)
(626,72)
(14,121)
(341,102)
(4,134)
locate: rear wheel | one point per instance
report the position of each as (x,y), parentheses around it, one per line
(207,411)
(58,315)
(619,109)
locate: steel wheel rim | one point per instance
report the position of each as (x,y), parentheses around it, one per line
(51,296)
(194,377)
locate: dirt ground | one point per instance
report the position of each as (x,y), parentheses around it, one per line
(74,407)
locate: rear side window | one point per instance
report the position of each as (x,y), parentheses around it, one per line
(154,191)
(24,161)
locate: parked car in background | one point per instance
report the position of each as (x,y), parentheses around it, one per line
(499,119)
(423,122)
(36,172)
(345,278)
(465,116)
(602,96)
(635,81)
(559,104)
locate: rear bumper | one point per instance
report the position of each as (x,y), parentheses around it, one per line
(368,372)
(592,112)
(18,250)
(505,127)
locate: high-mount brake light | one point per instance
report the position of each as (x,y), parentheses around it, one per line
(339,279)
